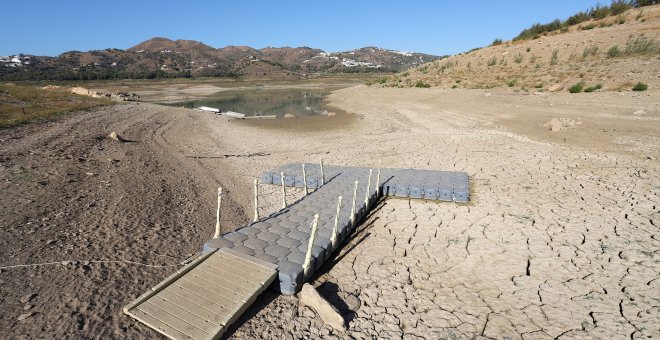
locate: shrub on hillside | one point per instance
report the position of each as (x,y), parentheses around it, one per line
(593,88)
(587,27)
(576,19)
(554,58)
(518,58)
(619,6)
(599,12)
(613,52)
(576,88)
(643,46)
(641,3)
(492,61)
(496,42)
(422,84)
(590,50)
(640,87)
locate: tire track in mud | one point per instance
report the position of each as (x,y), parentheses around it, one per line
(69,193)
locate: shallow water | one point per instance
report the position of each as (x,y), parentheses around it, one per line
(263,102)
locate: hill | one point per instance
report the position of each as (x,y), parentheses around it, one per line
(615,52)
(161,57)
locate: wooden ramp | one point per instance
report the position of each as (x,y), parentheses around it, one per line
(202,299)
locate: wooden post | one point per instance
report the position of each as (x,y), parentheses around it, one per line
(256,200)
(378,181)
(308,257)
(353,205)
(217,214)
(322,173)
(283,191)
(333,238)
(366,196)
(304,179)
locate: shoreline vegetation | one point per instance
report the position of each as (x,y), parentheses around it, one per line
(598,12)
(23,104)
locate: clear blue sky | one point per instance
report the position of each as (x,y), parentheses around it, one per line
(50,27)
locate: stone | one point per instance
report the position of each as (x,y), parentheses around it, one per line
(310,297)
(26,315)
(555,87)
(27,298)
(116,137)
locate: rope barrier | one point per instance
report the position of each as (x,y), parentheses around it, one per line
(93,261)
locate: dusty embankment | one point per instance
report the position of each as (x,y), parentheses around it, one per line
(72,196)
(559,238)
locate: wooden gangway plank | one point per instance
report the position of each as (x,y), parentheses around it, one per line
(202,299)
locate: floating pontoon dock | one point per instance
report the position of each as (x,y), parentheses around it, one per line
(284,248)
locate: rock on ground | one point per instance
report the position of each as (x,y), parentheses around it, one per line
(310,297)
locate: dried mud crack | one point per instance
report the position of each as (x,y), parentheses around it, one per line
(559,240)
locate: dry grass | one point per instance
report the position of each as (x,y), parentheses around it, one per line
(617,51)
(24,104)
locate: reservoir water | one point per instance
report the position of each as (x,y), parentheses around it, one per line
(263,102)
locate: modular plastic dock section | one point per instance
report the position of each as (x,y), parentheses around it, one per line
(202,299)
(282,238)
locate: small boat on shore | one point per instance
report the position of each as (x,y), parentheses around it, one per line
(232,114)
(207,109)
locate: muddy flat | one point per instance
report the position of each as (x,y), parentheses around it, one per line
(559,239)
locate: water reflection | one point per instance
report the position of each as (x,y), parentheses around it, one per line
(260,102)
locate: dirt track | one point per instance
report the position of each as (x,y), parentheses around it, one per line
(560,237)
(70,194)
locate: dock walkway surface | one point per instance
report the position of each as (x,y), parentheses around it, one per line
(202,299)
(280,241)
(282,238)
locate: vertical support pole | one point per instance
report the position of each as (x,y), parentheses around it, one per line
(283,191)
(366,196)
(322,173)
(217,214)
(308,257)
(333,238)
(378,181)
(353,205)
(305,179)
(256,200)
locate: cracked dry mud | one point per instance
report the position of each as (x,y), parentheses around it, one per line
(559,240)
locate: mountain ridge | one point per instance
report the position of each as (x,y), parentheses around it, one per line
(161,57)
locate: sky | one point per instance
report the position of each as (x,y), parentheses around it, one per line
(51,27)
